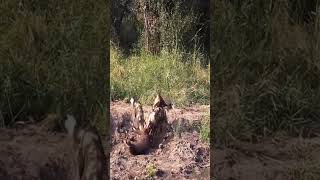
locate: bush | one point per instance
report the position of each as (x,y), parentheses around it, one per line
(184,25)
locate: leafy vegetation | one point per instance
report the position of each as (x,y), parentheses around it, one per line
(181,69)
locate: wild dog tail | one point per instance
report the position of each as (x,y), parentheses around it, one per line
(132,101)
(70,124)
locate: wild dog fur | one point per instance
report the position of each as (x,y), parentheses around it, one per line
(153,131)
(89,159)
(157,123)
(137,120)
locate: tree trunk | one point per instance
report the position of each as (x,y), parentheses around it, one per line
(151,30)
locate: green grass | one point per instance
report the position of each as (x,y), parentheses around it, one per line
(53,59)
(151,170)
(266,77)
(205,128)
(142,76)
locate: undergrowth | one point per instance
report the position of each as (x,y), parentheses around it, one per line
(266,71)
(53,59)
(142,76)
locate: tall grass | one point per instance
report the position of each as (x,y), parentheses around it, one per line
(53,59)
(142,76)
(266,74)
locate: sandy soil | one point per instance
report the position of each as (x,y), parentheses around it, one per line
(181,157)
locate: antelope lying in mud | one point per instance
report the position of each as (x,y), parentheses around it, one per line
(152,132)
(89,160)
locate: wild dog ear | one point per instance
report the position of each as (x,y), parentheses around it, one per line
(159,102)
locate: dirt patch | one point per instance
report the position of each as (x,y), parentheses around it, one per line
(30,153)
(182,156)
(281,158)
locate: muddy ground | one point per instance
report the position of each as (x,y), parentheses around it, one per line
(31,153)
(183,156)
(274,158)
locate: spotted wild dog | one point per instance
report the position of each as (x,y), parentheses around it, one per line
(157,121)
(137,120)
(89,161)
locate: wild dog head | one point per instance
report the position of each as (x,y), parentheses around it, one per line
(140,144)
(159,102)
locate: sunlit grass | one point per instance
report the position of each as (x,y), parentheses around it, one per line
(144,75)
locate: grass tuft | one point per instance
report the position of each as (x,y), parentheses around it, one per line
(151,170)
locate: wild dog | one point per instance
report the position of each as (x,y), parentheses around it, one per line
(140,144)
(158,124)
(157,121)
(137,120)
(89,160)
